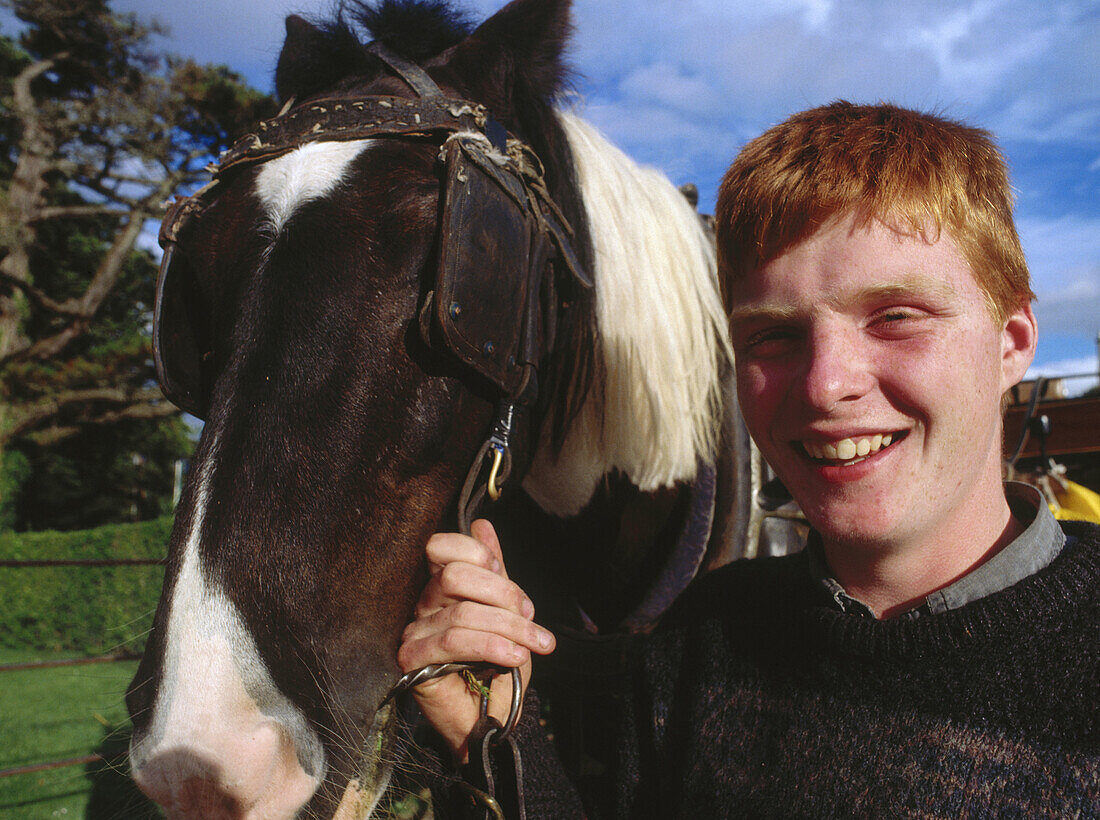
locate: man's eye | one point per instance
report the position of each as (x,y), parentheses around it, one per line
(892,317)
(895,316)
(770,339)
(770,335)
(902,322)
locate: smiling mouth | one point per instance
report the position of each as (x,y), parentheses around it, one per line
(850,450)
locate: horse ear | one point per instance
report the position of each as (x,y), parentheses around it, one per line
(313,59)
(515,54)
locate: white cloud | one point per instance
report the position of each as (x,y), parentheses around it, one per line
(773,57)
(655,136)
(1064,257)
(670,86)
(1073,309)
(1067,367)
(1062,250)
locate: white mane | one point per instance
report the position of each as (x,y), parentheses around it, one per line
(662,335)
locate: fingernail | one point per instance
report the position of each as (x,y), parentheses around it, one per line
(544,638)
(528,608)
(494,565)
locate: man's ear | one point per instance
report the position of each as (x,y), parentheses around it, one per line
(1018,340)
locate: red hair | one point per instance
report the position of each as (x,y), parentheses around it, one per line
(916,171)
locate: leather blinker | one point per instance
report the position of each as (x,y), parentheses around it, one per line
(483,277)
(181,334)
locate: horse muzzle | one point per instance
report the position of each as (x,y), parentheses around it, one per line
(237,773)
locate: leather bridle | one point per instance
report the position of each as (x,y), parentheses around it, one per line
(486,169)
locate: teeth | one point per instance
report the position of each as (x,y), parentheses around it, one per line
(849,450)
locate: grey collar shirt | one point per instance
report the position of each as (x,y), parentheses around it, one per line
(1038,545)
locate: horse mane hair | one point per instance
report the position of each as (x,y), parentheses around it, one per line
(663,353)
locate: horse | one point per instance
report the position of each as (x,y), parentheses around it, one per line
(355,333)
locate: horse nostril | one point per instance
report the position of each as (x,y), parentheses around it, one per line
(250,773)
(185,785)
(201,798)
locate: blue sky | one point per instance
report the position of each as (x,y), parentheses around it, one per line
(682,84)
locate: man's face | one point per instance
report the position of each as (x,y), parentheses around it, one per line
(870,374)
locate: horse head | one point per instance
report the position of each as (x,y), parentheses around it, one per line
(320,313)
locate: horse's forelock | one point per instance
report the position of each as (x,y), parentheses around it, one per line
(319,55)
(415,29)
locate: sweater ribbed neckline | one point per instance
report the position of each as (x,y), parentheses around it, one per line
(1047,600)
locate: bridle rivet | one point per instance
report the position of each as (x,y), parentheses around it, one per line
(456,310)
(488,349)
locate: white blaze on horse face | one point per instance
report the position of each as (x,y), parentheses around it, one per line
(307,173)
(222,734)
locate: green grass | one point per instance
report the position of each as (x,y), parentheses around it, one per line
(67,712)
(73,712)
(90,610)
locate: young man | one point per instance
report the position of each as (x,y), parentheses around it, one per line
(934,650)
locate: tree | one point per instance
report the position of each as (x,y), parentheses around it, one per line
(97,131)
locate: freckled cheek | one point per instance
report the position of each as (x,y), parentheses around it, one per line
(760,391)
(913,381)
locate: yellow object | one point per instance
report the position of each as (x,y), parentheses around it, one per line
(1074,502)
(494,490)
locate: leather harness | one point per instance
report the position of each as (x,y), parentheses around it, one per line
(494,303)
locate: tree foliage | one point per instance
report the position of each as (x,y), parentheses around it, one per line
(97,130)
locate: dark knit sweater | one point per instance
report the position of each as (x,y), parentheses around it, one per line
(755,699)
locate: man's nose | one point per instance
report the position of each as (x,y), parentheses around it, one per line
(836,368)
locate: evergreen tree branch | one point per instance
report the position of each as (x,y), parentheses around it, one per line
(69,211)
(86,407)
(41,299)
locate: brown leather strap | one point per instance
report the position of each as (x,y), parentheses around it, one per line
(344,118)
(416,77)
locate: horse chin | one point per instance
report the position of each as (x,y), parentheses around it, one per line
(373,768)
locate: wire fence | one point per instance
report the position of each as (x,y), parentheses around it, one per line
(85,562)
(52,663)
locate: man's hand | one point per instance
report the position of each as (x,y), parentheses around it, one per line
(469,611)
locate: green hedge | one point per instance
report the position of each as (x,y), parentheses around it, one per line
(85,610)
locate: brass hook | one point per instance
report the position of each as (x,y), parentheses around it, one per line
(498,455)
